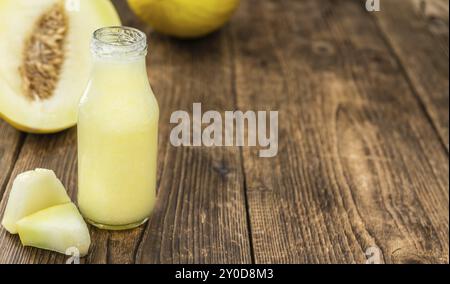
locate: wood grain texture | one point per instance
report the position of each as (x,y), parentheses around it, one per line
(363,149)
(419,36)
(200,216)
(11,142)
(359,165)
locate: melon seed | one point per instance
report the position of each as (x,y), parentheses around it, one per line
(43,54)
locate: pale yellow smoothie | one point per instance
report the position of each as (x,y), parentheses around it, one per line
(117,142)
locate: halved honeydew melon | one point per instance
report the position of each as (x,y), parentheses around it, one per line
(45,59)
(59,228)
(32,191)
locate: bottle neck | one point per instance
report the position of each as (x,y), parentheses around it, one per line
(119,56)
(120,68)
(120,76)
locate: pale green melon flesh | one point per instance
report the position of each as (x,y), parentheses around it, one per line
(59,228)
(32,191)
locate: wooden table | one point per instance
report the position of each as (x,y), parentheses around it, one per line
(363,153)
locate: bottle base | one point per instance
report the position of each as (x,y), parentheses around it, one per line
(116,227)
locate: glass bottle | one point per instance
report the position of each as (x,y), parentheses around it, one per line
(117,133)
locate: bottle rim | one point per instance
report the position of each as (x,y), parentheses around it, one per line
(119,42)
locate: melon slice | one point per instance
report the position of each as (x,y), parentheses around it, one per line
(57,228)
(45,59)
(32,191)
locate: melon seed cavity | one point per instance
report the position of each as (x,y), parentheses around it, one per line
(43,55)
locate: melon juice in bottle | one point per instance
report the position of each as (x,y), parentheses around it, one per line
(117,133)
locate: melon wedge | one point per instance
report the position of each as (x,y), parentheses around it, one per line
(45,59)
(32,191)
(57,228)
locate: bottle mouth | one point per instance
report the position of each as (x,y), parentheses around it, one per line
(119,42)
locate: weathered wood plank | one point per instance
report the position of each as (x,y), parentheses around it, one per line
(11,142)
(200,216)
(359,165)
(418,32)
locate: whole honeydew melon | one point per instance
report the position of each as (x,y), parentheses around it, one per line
(185,18)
